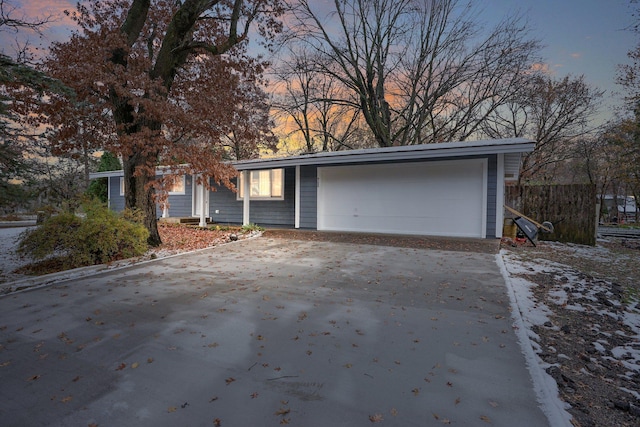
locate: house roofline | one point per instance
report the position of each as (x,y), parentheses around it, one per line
(407,152)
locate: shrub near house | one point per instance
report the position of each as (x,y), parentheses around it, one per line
(100,237)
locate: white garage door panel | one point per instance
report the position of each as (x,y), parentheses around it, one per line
(444,198)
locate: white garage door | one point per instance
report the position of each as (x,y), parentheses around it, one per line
(444,198)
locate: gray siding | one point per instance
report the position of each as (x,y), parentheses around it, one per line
(116,201)
(492,195)
(180,205)
(223,200)
(261,212)
(309,197)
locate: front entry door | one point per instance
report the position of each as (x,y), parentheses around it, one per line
(200,195)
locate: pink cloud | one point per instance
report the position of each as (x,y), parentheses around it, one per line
(43,8)
(57,28)
(541,67)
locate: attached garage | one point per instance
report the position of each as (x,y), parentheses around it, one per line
(438,198)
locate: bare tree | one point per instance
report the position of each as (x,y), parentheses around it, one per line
(309,97)
(419,71)
(555,113)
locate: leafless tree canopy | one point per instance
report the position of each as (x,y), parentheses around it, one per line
(418,71)
(557,114)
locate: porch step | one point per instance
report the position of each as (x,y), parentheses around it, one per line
(182,220)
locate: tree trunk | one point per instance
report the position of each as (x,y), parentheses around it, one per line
(141,197)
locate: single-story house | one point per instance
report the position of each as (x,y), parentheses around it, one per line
(446,189)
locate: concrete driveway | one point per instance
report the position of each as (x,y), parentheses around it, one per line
(267,332)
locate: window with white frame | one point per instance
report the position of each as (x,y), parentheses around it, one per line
(265,184)
(176,186)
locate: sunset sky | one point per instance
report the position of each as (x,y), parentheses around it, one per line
(581,36)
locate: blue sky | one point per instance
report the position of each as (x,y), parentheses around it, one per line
(581,36)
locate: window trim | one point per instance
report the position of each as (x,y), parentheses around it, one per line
(184,186)
(171,193)
(240,186)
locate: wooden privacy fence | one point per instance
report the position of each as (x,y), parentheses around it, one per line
(571,209)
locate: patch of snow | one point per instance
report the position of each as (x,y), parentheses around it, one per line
(599,347)
(571,286)
(632,392)
(559,296)
(523,308)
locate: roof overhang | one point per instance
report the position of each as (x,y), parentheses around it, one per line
(394,154)
(377,155)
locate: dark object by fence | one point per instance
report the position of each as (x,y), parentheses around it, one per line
(570,208)
(528,228)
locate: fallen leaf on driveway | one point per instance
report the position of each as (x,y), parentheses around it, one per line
(282,411)
(121,366)
(229,380)
(33,378)
(66,399)
(172,409)
(376,418)
(134,365)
